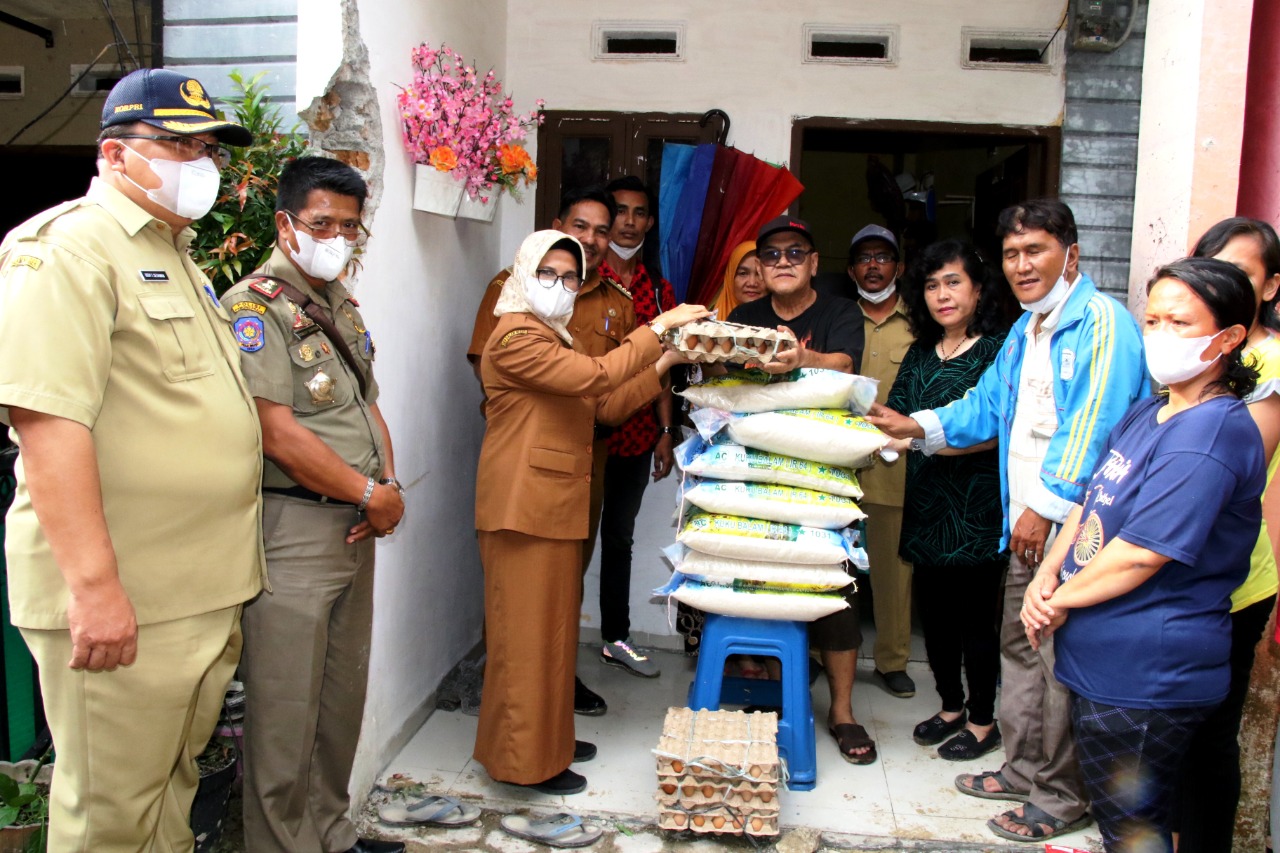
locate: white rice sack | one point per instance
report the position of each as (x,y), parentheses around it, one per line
(775,503)
(824,435)
(768,541)
(735,462)
(759,604)
(723,570)
(752,391)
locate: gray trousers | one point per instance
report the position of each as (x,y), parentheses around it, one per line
(305,668)
(1035,713)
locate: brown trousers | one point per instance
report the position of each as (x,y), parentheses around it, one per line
(890,587)
(306,664)
(128,739)
(532,599)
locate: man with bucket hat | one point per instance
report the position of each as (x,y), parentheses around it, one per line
(135,536)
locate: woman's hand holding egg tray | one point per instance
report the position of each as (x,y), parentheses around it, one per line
(711,341)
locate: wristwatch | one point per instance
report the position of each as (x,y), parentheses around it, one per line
(917,444)
(669,430)
(658,328)
(392,481)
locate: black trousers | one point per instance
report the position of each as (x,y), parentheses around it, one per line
(1209,782)
(625,479)
(960,612)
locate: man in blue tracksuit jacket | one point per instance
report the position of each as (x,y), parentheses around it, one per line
(1069,370)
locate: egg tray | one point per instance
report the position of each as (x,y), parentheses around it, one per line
(689,792)
(718,340)
(718,819)
(715,746)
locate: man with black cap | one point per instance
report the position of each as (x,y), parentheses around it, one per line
(874,269)
(135,536)
(829,329)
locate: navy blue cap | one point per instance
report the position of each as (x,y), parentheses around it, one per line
(785,223)
(171,101)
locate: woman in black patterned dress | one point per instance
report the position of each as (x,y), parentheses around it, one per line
(952,515)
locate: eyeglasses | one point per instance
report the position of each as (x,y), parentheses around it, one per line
(570,281)
(352,231)
(879,258)
(193,148)
(772,257)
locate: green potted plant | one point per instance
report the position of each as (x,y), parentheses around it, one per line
(24,804)
(237,234)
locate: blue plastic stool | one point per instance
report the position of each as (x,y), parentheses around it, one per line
(723,636)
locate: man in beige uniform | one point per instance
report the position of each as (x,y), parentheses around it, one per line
(329,488)
(603,315)
(134,536)
(874,267)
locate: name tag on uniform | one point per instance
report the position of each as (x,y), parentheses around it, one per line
(1068,369)
(153,275)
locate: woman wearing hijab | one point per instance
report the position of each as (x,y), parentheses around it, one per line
(532,494)
(743,281)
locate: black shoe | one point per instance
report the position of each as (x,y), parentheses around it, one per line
(935,729)
(583,751)
(898,683)
(373,845)
(966,746)
(586,701)
(564,782)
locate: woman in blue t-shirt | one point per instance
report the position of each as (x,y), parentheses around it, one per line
(1138,585)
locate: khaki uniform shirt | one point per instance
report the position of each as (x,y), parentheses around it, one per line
(282,351)
(106,322)
(886,345)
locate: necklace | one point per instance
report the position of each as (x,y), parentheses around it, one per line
(947,356)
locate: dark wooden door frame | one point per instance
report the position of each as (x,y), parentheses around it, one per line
(1045,143)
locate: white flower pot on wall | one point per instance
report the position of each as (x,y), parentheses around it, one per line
(436,192)
(474,208)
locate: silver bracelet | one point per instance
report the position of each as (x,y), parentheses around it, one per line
(368,493)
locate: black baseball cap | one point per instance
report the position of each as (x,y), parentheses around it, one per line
(170,101)
(785,223)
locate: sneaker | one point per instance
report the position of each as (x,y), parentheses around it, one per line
(621,653)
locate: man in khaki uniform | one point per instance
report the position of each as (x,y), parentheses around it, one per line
(874,267)
(329,487)
(131,543)
(603,316)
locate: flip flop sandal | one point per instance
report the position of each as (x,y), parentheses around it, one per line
(557,830)
(850,736)
(429,811)
(1006,791)
(1034,818)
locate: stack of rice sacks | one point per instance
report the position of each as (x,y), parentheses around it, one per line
(718,771)
(768,498)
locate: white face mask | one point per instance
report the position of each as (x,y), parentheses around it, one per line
(626,254)
(877,298)
(1173,359)
(188,189)
(322,259)
(1056,294)
(549,303)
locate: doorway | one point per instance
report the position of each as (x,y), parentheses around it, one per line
(924,180)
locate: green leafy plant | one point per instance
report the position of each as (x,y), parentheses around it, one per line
(25,806)
(237,234)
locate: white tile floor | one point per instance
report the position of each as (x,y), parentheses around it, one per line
(907,794)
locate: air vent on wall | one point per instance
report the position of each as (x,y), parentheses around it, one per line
(862,45)
(12,82)
(100,80)
(638,40)
(1013,50)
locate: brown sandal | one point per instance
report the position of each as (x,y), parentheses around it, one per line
(851,736)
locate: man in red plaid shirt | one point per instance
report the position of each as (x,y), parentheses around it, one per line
(644,442)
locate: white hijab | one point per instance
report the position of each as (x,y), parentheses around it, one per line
(512,300)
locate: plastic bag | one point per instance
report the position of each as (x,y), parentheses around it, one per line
(769,541)
(743,464)
(775,503)
(751,391)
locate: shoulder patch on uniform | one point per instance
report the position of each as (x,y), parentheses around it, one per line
(514,333)
(247,305)
(29,261)
(249,334)
(267,287)
(618,284)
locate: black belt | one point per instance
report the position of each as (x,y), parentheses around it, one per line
(307,495)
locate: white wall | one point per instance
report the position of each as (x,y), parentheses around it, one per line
(416,294)
(743,56)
